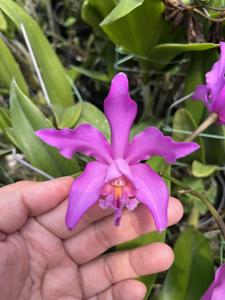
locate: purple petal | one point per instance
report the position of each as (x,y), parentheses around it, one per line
(151,142)
(201,93)
(153,192)
(85,192)
(118,168)
(85,138)
(215,79)
(216,290)
(219,106)
(120,111)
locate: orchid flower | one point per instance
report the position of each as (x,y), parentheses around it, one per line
(213,93)
(216,290)
(116,179)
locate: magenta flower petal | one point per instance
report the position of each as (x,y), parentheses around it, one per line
(85,138)
(153,192)
(216,290)
(118,168)
(85,192)
(120,111)
(151,142)
(213,93)
(202,93)
(215,79)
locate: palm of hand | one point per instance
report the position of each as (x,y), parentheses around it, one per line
(40,259)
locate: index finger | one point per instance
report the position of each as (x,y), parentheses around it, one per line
(20,200)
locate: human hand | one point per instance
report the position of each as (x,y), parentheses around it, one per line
(41,259)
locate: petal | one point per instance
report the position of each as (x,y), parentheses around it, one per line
(118,168)
(151,142)
(219,106)
(120,111)
(201,93)
(153,192)
(216,290)
(215,79)
(85,138)
(85,192)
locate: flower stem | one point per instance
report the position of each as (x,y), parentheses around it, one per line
(203,198)
(209,121)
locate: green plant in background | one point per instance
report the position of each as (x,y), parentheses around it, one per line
(51,61)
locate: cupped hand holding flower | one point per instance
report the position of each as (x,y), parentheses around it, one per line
(41,259)
(117,179)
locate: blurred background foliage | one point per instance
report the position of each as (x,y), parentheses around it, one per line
(165,47)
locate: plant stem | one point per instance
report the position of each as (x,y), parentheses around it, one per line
(209,121)
(203,198)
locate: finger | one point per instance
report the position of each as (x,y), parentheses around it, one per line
(27,198)
(103,235)
(54,220)
(120,266)
(129,289)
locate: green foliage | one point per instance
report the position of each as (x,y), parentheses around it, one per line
(192,270)
(9,69)
(53,73)
(26,119)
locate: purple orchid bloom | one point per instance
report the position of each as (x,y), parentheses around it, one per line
(213,93)
(116,179)
(216,290)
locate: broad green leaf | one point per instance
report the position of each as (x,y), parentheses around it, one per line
(26,119)
(164,53)
(53,73)
(94,11)
(122,9)
(3,22)
(128,23)
(200,170)
(183,122)
(92,115)
(192,270)
(139,30)
(68,117)
(9,69)
(11,137)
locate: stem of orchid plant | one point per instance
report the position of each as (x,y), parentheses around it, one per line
(203,198)
(209,121)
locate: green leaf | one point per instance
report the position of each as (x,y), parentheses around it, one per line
(26,119)
(53,73)
(183,122)
(200,170)
(122,9)
(166,52)
(92,115)
(9,69)
(68,117)
(192,270)
(4,118)
(3,22)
